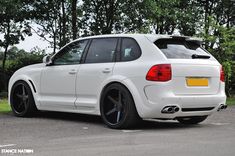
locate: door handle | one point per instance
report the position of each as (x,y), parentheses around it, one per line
(106,70)
(72,71)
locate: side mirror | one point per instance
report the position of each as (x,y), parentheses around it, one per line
(47,60)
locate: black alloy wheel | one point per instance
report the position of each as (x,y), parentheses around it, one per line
(117,107)
(22,102)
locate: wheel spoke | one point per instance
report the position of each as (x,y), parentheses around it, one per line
(19,96)
(26,97)
(112,100)
(23,90)
(25,104)
(118,116)
(111,111)
(119,97)
(20,104)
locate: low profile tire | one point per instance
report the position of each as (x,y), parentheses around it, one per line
(21,99)
(191,120)
(118,108)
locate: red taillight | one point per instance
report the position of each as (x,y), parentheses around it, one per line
(160,72)
(221,74)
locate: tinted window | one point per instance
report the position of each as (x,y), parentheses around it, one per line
(179,49)
(71,54)
(130,50)
(101,50)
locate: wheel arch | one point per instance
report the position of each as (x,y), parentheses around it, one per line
(132,89)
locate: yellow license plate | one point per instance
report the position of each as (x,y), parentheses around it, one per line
(197,81)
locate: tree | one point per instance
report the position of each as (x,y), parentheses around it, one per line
(74,19)
(12,25)
(111,16)
(47,15)
(162,15)
(219,35)
(57,19)
(224,51)
(188,16)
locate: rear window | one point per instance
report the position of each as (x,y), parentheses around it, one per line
(179,48)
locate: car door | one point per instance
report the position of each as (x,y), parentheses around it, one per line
(58,79)
(97,67)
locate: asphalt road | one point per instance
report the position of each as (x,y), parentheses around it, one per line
(73,134)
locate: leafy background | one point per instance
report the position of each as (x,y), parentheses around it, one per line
(60,21)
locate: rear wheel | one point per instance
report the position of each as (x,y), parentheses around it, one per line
(21,99)
(191,120)
(118,108)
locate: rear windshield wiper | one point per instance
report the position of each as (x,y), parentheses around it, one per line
(195,56)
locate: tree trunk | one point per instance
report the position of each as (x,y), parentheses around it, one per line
(54,36)
(63,24)
(74,19)
(60,32)
(5,55)
(3,69)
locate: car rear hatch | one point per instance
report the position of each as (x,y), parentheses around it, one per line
(195,77)
(194,70)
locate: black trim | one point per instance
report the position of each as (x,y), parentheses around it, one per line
(85,51)
(34,89)
(117,49)
(197,109)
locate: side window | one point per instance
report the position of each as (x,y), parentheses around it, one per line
(71,54)
(129,50)
(101,50)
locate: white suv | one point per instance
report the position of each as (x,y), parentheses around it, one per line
(124,78)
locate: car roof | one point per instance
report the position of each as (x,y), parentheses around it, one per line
(151,37)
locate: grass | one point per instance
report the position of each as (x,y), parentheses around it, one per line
(4,107)
(230,101)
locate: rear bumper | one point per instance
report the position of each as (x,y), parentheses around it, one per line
(189,105)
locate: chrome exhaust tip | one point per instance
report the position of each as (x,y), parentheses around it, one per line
(170,109)
(176,109)
(221,107)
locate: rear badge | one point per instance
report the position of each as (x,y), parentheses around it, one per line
(196,81)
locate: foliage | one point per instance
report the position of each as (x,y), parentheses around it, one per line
(220,41)
(111,16)
(56,20)
(60,21)
(12,24)
(18,58)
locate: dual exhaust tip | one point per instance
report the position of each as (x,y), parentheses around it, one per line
(174,109)
(221,107)
(170,109)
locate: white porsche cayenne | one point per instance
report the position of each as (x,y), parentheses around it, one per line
(124,78)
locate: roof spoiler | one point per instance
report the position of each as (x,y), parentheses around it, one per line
(197,41)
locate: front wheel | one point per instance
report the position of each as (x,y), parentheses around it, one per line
(117,107)
(21,99)
(191,120)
